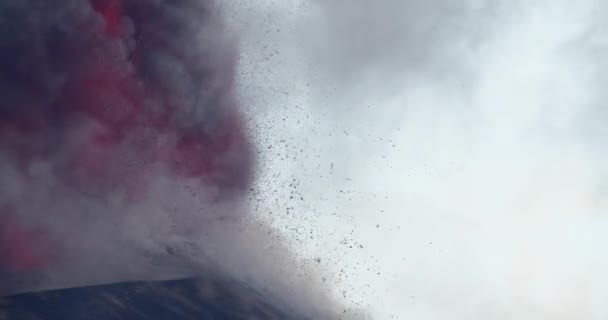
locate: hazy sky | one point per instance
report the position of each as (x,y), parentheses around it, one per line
(438,159)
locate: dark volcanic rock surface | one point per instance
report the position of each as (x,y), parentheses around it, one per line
(176,299)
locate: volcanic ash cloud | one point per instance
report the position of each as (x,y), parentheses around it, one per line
(120,139)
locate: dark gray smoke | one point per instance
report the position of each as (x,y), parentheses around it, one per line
(123,152)
(120,138)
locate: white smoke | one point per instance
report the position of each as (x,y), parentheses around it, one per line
(447,156)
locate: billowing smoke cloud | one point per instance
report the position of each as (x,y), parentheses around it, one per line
(451,151)
(120,137)
(123,153)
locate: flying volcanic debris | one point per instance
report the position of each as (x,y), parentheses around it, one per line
(120,138)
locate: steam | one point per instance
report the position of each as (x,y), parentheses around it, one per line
(450,152)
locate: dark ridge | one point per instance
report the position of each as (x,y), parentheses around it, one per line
(211,298)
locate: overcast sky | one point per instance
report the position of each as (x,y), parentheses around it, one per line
(437,159)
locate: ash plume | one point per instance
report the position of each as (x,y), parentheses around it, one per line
(124,154)
(121,143)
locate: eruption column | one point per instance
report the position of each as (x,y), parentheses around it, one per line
(102,101)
